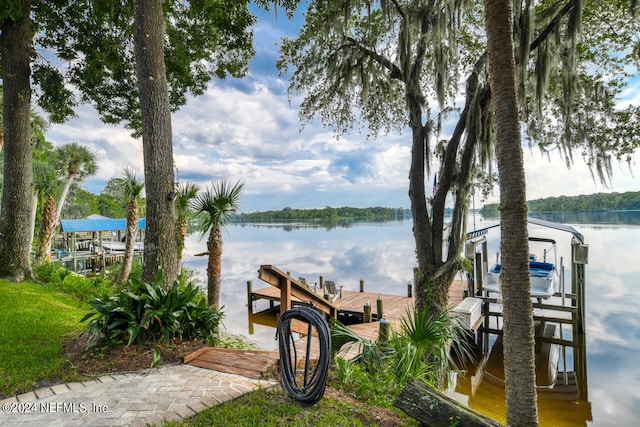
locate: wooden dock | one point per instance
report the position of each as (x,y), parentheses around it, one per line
(344,304)
(350,303)
(350,307)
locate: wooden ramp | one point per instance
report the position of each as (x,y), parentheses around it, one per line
(248,363)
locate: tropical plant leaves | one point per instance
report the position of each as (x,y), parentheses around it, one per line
(147,312)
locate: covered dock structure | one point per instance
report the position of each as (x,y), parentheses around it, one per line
(93,242)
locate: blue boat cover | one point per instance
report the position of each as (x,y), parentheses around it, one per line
(537,266)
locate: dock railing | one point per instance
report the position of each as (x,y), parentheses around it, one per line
(290,287)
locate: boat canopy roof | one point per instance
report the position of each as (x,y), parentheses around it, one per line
(557,226)
(536,221)
(97,223)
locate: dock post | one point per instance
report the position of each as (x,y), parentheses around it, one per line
(379,307)
(367,313)
(249,307)
(361,284)
(285,294)
(479,274)
(383,332)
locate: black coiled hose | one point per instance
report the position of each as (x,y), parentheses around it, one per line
(308,385)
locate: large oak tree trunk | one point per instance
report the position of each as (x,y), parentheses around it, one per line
(519,356)
(160,249)
(15,238)
(435,275)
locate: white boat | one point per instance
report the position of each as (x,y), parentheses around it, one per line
(544,277)
(111,246)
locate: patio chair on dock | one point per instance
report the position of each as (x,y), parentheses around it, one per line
(332,290)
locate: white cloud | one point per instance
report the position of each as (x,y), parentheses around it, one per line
(249,129)
(113,146)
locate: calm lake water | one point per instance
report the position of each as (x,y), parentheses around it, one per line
(383,255)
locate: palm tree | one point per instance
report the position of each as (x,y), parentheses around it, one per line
(217,204)
(46,187)
(519,344)
(131,190)
(76,162)
(186,194)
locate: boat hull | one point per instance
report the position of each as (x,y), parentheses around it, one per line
(544,279)
(113,246)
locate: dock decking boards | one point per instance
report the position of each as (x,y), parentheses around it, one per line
(350,303)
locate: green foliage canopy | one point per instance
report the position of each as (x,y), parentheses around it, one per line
(398,65)
(349,62)
(204,38)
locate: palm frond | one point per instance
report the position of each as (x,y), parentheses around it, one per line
(131,186)
(217,204)
(186,193)
(46,179)
(344,340)
(434,336)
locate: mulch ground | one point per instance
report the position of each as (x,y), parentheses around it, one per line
(121,358)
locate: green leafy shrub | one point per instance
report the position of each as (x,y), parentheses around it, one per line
(145,312)
(378,387)
(51,272)
(420,349)
(425,343)
(85,288)
(60,278)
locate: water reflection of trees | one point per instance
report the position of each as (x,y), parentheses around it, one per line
(601,217)
(327,223)
(597,217)
(566,404)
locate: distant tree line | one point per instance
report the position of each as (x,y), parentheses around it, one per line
(584,203)
(327,214)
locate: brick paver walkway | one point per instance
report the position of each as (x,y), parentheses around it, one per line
(167,393)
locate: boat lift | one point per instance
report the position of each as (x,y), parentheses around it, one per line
(571,301)
(476,251)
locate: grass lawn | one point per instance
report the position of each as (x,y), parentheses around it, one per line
(34,320)
(273,407)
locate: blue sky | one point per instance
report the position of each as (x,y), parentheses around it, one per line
(248,129)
